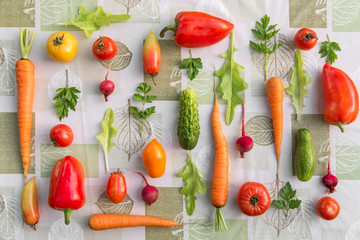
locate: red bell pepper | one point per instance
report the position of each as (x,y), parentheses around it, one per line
(66,192)
(341,97)
(198,29)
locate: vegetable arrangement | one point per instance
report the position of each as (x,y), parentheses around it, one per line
(25,83)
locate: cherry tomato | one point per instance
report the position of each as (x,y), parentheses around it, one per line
(116,187)
(61,135)
(305,39)
(328,208)
(154,158)
(253,199)
(104,48)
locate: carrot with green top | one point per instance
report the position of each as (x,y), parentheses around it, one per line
(25,82)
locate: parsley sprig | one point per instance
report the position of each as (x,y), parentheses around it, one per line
(265,32)
(143,98)
(328,49)
(193,64)
(289,202)
(65,98)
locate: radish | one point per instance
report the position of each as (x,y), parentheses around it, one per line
(330,181)
(244,143)
(107,87)
(149,193)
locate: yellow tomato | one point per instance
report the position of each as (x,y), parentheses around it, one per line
(62,46)
(154,158)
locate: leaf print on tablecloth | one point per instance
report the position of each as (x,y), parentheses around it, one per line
(320,9)
(347,158)
(353,232)
(203,83)
(108,207)
(176,73)
(260,129)
(280,62)
(344,11)
(128,138)
(310,66)
(306,223)
(153,8)
(121,60)
(58,80)
(205,161)
(161,133)
(51,11)
(201,227)
(324,151)
(60,231)
(128,4)
(276,217)
(8,58)
(213,7)
(10,218)
(49,156)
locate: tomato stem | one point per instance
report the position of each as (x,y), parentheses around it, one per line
(254,200)
(58,40)
(309,36)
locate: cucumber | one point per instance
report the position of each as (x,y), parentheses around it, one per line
(188,129)
(305,159)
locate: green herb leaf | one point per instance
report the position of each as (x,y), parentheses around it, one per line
(193,64)
(106,136)
(194,185)
(134,111)
(328,49)
(286,191)
(139,98)
(64,99)
(148,112)
(279,204)
(298,82)
(93,21)
(232,81)
(294,203)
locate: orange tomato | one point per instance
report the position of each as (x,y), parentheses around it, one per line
(62,46)
(116,187)
(154,158)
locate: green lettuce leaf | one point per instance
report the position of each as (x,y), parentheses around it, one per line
(106,136)
(232,81)
(93,21)
(298,81)
(194,185)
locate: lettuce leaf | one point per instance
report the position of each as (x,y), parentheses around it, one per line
(93,21)
(298,82)
(106,136)
(232,81)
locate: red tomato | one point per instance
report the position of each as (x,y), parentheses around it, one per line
(61,135)
(253,199)
(104,48)
(328,208)
(116,187)
(305,39)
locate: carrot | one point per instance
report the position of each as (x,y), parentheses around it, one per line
(25,81)
(220,183)
(275,94)
(109,221)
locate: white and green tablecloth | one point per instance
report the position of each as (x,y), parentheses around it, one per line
(338,18)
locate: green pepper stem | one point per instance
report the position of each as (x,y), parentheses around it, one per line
(171,27)
(341,126)
(67,213)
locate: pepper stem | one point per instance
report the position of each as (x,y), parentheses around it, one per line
(67,213)
(171,27)
(341,126)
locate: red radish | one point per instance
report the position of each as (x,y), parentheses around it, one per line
(149,193)
(244,143)
(330,181)
(107,87)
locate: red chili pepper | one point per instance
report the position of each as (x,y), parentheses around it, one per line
(198,29)
(66,192)
(341,97)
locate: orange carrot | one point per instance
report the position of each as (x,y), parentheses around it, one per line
(220,183)
(25,81)
(275,94)
(109,221)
